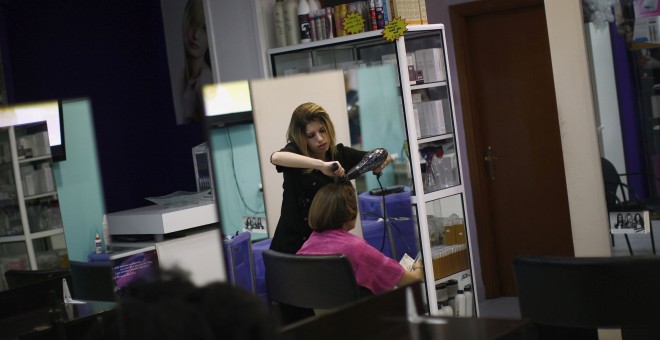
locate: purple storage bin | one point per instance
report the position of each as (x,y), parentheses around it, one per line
(240,265)
(398,205)
(259,269)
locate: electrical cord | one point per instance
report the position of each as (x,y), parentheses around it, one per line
(233,166)
(382,245)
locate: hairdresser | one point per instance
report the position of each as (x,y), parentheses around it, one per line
(308,163)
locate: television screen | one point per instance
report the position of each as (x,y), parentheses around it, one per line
(49,111)
(143,265)
(228,103)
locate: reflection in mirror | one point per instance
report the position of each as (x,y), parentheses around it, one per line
(370,117)
(379,112)
(234,159)
(31,229)
(625,78)
(449,244)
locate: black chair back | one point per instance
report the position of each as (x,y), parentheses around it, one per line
(613,184)
(18,278)
(589,292)
(310,281)
(92,281)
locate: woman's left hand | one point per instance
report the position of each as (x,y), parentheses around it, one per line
(383,166)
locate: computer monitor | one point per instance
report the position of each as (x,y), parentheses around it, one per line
(228,103)
(49,111)
(203,169)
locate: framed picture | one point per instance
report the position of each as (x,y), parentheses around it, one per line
(188,56)
(630,222)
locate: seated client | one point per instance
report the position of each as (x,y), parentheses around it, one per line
(332,215)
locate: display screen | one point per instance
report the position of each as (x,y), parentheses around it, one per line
(139,267)
(227,103)
(49,111)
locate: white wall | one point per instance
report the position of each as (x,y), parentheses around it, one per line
(605,96)
(238,52)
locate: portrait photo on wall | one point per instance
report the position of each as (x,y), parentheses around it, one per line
(630,222)
(188,56)
(255,224)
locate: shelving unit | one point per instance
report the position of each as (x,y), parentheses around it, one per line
(31,231)
(438,194)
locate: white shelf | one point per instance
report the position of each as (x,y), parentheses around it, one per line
(428,85)
(463,277)
(13,238)
(24,205)
(443,203)
(425,140)
(46,233)
(34,159)
(157,220)
(436,195)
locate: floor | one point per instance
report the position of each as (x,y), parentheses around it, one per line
(507,307)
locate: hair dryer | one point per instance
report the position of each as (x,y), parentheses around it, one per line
(372,160)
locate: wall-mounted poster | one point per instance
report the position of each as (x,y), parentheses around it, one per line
(630,222)
(188,56)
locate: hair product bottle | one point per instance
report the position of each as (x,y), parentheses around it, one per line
(303,21)
(329,23)
(291,22)
(460,304)
(452,290)
(97,244)
(447,309)
(280,29)
(469,300)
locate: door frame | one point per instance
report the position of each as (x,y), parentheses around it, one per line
(577,126)
(486,232)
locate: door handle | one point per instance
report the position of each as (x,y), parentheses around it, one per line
(489,159)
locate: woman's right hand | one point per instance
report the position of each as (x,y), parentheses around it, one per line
(332,169)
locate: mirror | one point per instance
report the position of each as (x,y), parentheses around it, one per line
(627,115)
(114,57)
(366,115)
(375,121)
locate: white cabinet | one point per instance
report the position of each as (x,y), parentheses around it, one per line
(429,146)
(31,232)
(185,237)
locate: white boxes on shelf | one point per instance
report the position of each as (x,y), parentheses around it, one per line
(430,118)
(432,64)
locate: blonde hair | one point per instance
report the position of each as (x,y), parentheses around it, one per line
(193,15)
(303,115)
(333,205)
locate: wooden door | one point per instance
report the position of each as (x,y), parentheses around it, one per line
(512,133)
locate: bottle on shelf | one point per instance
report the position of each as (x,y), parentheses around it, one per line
(380,14)
(329,23)
(469,300)
(447,309)
(315,20)
(314,5)
(97,244)
(314,25)
(460,304)
(291,22)
(373,22)
(303,21)
(452,290)
(278,17)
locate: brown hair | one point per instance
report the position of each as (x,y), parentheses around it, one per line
(333,205)
(303,115)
